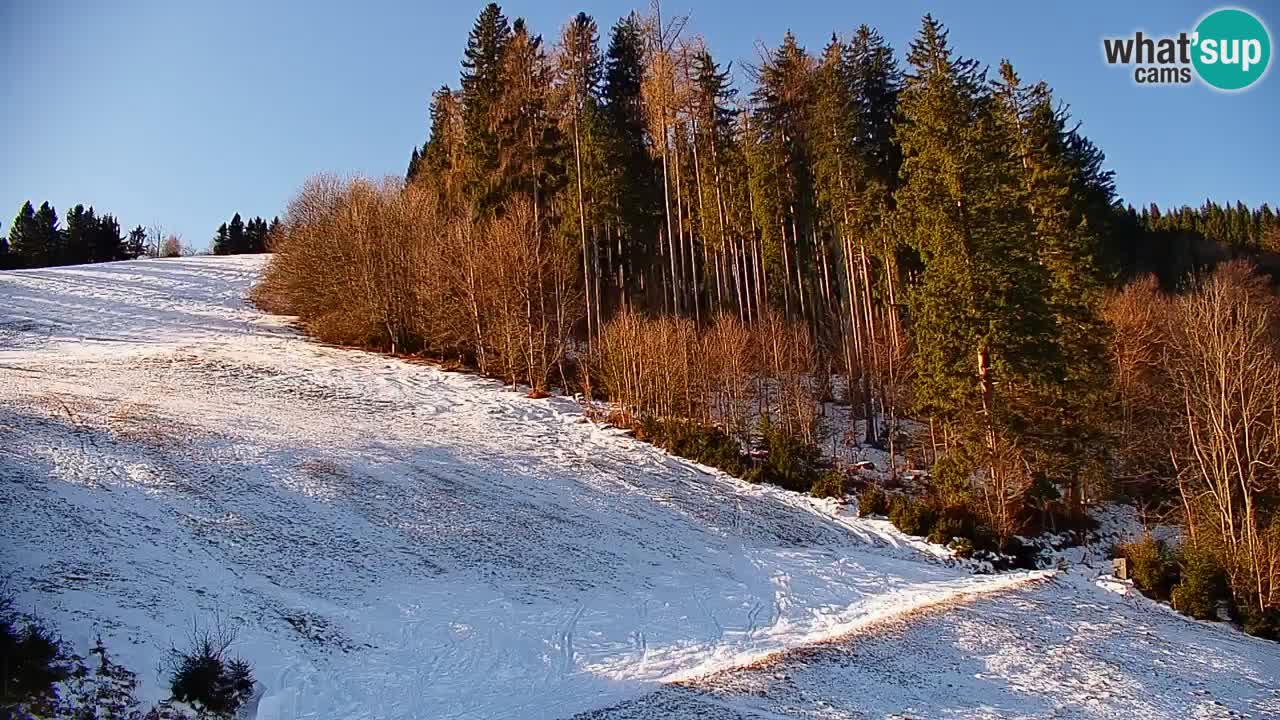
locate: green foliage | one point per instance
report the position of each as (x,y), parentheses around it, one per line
(791,462)
(1202,584)
(913,516)
(872,501)
(1150,565)
(1261,623)
(829,484)
(694,441)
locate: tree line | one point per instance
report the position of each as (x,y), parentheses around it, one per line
(38,238)
(238,237)
(936,245)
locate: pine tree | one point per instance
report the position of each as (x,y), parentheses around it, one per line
(981,329)
(531,142)
(136,246)
(47,238)
(1070,436)
(781,98)
(236,241)
(632,194)
(221,244)
(25,248)
(77,237)
(481,95)
(108,244)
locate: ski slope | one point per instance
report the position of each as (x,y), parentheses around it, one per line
(391,540)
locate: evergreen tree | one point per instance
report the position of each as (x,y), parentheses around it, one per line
(441,161)
(236,240)
(632,195)
(531,139)
(46,245)
(982,332)
(1069,436)
(413,166)
(136,245)
(77,237)
(784,193)
(481,95)
(108,244)
(221,242)
(25,246)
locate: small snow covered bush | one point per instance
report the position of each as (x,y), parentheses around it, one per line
(32,663)
(206,677)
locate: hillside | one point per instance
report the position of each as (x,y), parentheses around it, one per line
(396,541)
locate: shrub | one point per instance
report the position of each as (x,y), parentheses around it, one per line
(32,662)
(791,462)
(1203,584)
(962,547)
(829,484)
(912,516)
(952,523)
(693,441)
(1261,623)
(872,501)
(206,677)
(1153,574)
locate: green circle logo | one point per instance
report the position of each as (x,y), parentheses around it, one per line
(1232,49)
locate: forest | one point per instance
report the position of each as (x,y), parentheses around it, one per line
(932,248)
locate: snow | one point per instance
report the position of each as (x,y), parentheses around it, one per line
(1060,648)
(396,541)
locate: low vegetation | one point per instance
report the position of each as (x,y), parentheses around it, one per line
(41,676)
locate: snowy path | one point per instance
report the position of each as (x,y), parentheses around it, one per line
(393,540)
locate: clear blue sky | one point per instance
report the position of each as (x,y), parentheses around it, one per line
(184,112)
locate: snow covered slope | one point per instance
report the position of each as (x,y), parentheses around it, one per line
(393,541)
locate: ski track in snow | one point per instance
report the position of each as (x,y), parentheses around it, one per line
(395,541)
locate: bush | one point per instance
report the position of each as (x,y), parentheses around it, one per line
(829,484)
(1149,564)
(693,441)
(791,463)
(912,516)
(1260,623)
(32,662)
(206,677)
(1203,584)
(962,547)
(872,501)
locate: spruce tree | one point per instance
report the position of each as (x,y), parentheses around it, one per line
(24,243)
(46,245)
(236,241)
(633,195)
(108,244)
(782,98)
(136,245)
(982,332)
(221,243)
(580,74)
(481,95)
(77,238)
